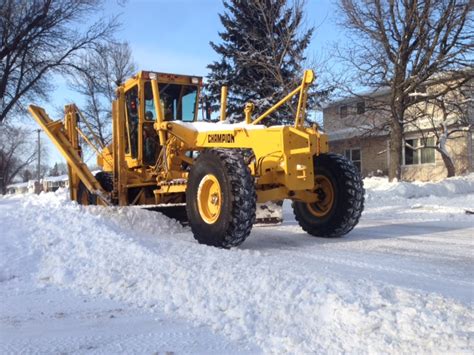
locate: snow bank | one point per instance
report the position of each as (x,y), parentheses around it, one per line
(381,188)
(152,262)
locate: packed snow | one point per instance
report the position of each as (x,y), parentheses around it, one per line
(107,280)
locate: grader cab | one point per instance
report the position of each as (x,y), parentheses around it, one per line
(162,155)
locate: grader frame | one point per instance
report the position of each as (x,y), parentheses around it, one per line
(280,159)
(283,154)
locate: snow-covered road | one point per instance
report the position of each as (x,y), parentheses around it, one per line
(109,280)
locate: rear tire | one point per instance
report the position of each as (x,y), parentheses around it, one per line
(105,180)
(84,197)
(220,198)
(342,198)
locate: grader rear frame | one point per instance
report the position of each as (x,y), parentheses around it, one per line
(161,155)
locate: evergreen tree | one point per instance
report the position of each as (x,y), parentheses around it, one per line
(262,52)
(54,170)
(26,175)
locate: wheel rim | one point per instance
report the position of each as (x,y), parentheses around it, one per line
(209,199)
(325,192)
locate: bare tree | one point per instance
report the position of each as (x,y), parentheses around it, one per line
(401,45)
(102,70)
(40,38)
(18,149)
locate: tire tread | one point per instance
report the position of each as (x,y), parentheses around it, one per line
(243,198)
(353,205)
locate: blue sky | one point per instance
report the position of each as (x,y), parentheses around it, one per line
(174,36)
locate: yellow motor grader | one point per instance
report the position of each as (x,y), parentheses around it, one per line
(162,155)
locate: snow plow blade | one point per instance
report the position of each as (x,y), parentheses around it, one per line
(177,212)
(269,213)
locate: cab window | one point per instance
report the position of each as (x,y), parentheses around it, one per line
(131,99)
(150,111)
(178,101)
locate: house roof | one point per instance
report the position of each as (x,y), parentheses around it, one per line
(351,132)
(17,185)
(56,178)
(357,96)
(437,78)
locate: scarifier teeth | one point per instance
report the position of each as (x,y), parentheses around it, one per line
(270,220)
(269,213)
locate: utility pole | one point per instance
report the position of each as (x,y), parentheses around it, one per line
(39,156)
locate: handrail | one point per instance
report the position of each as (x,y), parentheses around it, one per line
(74,109)
(89,127)
(88,141)
(308,78)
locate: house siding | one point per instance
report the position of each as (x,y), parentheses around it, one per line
(373,151)
(374,157)
(364,131)
(459,147)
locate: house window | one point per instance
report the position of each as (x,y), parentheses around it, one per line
(354,155)
(361,107)
(343,111)
(415,155)
(417,95)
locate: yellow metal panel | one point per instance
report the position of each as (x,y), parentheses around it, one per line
(284,155)
(168,189)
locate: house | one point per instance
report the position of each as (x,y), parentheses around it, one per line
(48,184)
(18,188)
(357,128)
(52,183)
(22,187)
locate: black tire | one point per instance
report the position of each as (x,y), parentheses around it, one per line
(238,202)
(348,201)
(105,180)
(84,197)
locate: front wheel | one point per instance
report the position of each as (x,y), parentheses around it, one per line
(220,198)
(340,198)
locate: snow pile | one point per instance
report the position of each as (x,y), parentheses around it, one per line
(451,198)
(382,189)
(150,261)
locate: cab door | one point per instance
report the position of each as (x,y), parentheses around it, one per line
(132,126)
(150,144)
(142,143)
